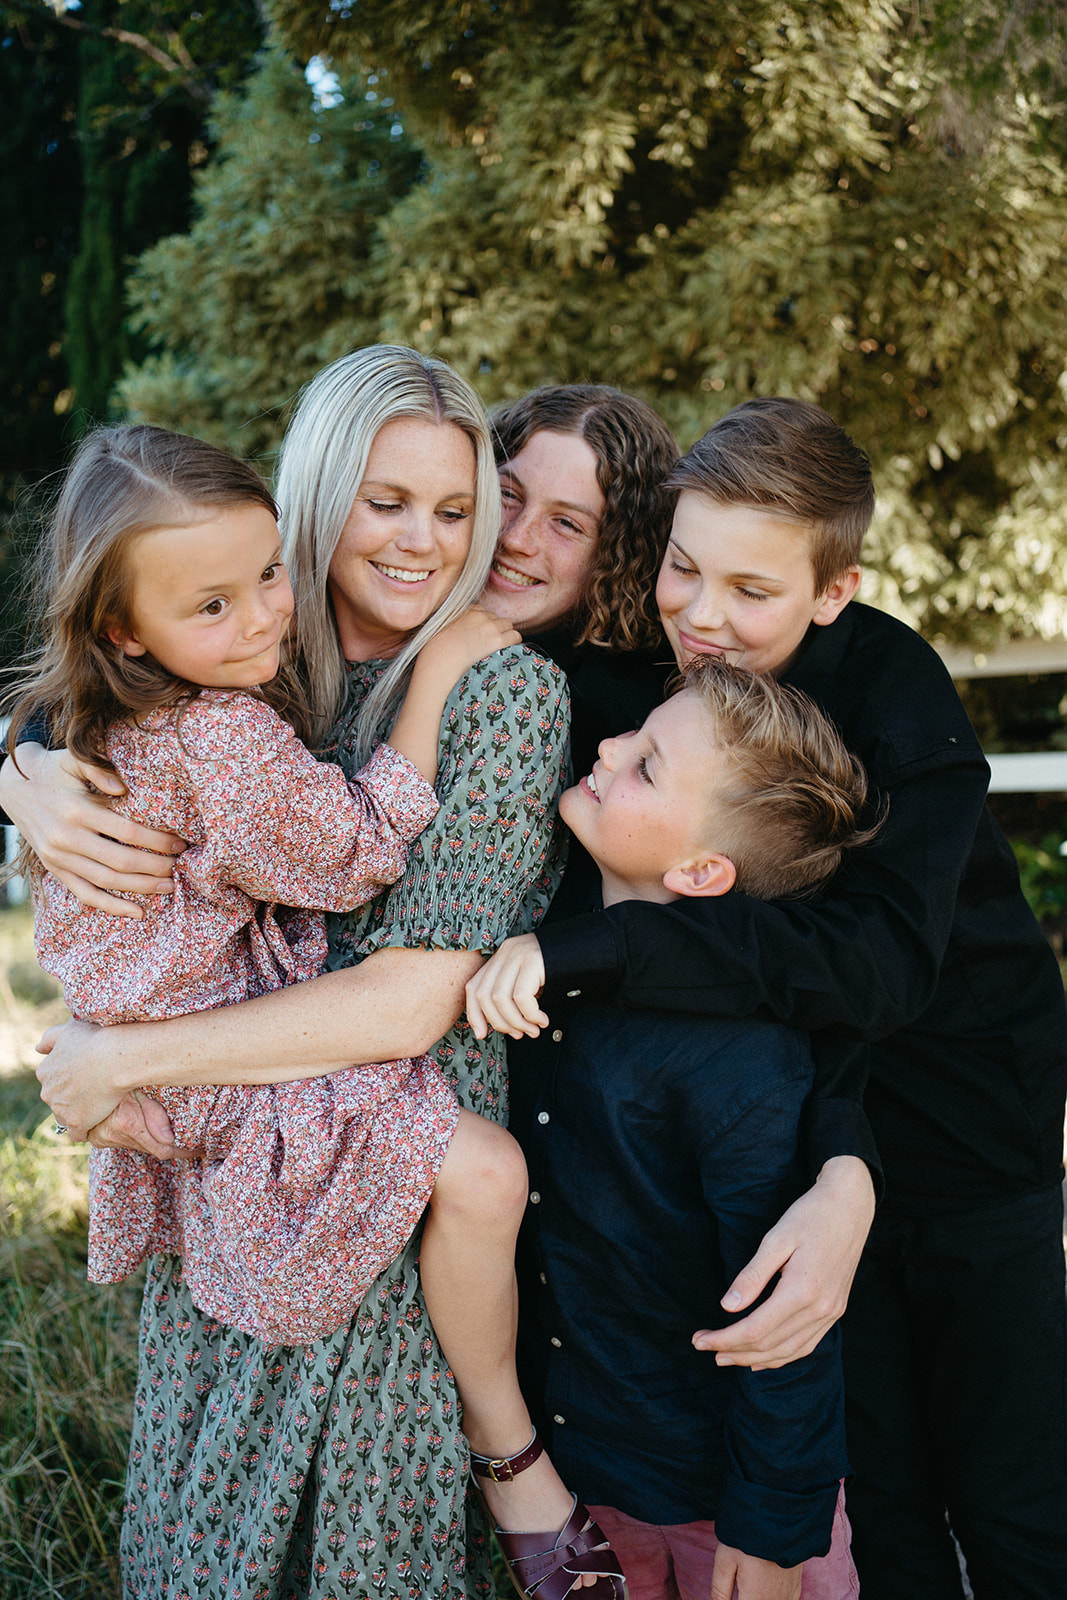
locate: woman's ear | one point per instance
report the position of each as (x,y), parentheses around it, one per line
(708,875)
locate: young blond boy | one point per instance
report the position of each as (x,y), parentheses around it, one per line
(956,1334)
(662,1148)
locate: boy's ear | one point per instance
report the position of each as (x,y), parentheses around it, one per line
(834,599)
(707,875)
(124,641)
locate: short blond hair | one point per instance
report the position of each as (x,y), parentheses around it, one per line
(794,801)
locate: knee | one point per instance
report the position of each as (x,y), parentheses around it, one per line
(484,1174)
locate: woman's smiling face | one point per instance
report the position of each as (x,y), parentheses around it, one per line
(407,536)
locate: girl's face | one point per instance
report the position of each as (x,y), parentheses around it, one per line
(552,506)
(211,601)
(407,536)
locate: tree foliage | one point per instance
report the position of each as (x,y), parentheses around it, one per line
(855,201)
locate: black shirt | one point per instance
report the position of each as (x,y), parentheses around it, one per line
(923,945)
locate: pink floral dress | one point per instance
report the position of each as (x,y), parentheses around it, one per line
(304,1191)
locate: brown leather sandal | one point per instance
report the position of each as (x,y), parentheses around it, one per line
(545,1566)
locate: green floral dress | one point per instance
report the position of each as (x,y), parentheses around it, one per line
(338,1468)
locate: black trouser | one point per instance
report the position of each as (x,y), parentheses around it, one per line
(956,1382)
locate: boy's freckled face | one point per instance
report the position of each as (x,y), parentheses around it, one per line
(738,581)
(646,806)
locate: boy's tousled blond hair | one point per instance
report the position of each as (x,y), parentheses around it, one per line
(795,801)
(788,457)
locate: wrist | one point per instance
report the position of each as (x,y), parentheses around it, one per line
(848,1176)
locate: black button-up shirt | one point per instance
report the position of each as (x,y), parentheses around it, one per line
(660,1150)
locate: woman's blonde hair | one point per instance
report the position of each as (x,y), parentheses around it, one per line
(122,482)
(322,463)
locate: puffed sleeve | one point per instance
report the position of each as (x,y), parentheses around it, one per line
(285,827)
(490,861)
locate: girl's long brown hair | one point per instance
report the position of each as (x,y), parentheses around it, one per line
(121,482)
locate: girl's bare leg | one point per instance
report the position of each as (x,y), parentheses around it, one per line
(468,1279)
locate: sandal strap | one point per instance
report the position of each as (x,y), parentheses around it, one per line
(549,1574)
(503,1468)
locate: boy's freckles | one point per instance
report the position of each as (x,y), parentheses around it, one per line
(646,806)
(738,581)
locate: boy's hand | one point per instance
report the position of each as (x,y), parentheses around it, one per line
(503,995)
(816,1246)
(755,1579)
(470,638)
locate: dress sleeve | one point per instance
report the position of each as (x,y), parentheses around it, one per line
(285,827)
(501,763)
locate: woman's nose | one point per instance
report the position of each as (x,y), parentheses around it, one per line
(416,533)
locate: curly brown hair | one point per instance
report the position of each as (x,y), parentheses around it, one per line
(635,451)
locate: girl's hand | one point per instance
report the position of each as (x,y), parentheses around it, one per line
(816,1246)
(74,832)
(755,1579)
(470,638)
(74,1078)
(503,995)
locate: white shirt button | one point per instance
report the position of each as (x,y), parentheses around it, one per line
(557,1035)
(557,1344)
(559,1419)
(535,1198)
(542,1277)
(543,1117)
(572,994)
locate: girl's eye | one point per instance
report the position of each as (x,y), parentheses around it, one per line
(214,608)
(269,574)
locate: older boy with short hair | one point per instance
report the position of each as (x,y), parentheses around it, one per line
(660,1150)
(956,1335)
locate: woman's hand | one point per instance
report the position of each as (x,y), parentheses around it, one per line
(74,1076)
(73,831)
(755,1579)
(816,1246)
(138,1123)
(503,995)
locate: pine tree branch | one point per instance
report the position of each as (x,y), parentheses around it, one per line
(181,63)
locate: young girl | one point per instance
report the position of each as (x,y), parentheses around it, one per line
(168,608)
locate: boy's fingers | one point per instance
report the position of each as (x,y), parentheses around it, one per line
(756,1275)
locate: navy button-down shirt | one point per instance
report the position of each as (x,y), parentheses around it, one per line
(660,1150)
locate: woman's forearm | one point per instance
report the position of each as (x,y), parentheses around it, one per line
(396,1003)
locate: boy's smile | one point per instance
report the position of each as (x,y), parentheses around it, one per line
(647,806)
(738,581)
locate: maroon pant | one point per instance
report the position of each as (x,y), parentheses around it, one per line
(675,1562)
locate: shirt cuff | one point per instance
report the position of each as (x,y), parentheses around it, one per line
(777,1525)
(582,950)
(836,1126)
(399,790)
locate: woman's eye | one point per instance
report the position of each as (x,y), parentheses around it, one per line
(384,505)
(682,569)
(454,513)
